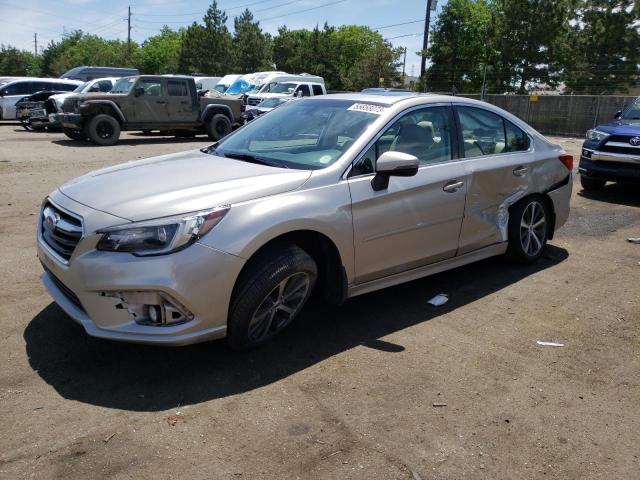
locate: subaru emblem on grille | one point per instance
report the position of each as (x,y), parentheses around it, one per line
(51,218)
(635,141)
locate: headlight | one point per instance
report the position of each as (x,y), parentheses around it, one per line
(596,135)
(161,236)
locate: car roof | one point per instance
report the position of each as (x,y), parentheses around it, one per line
(387,98)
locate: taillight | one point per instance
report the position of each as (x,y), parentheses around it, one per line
(567,160)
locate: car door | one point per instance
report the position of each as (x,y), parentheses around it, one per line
(150,102)
(416,220)
(499,161)
(180,102)
(11,94)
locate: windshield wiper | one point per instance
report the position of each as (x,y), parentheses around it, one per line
(245,157)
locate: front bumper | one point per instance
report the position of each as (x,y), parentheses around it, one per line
(613,167)
(199,278)
(66,120)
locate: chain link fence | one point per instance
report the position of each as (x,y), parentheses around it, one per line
(570,115)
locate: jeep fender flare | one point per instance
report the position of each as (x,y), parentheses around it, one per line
(112,105)
(214,108)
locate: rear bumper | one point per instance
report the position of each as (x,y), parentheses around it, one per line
(610,170)
(66,120)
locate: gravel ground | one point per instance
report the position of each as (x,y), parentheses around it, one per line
(345,393)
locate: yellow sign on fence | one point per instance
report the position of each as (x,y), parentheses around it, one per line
(533,98)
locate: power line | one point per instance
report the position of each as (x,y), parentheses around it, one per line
(399,24)
(302,11)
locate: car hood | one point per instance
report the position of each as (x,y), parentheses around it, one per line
(179,183)
(621,127)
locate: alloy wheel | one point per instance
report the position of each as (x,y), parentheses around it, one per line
(279,307)
(533,228)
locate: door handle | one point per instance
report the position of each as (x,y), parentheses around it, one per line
(453,186)
(520,171)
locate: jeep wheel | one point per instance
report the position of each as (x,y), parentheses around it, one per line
(74,134)
(590,183)
(103,130)
(269,295)
(219,126)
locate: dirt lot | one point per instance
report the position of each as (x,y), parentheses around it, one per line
(345,393)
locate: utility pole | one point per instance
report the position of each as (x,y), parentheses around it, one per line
(129,32)
(484,82)
(431,5)
(35,43)
(404,65)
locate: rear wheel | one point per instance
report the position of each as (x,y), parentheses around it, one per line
(219,126)
(103,130)
(269,296)
(74,134)
(528,230)
(590,183)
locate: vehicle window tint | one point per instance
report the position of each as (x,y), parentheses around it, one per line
(177,88)
(20,88)
(38,86)
(151,88)
(305,90)
(65,87)
(517,140)
(105,86)
(425,134)
(482,132)
(317,89)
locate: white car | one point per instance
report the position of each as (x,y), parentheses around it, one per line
(287,89)
(12,92)
(99,85)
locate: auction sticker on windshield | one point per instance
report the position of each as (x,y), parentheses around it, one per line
(366,107)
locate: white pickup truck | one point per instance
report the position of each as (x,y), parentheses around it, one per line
(288,89)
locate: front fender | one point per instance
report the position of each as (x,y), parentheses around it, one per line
(250,225)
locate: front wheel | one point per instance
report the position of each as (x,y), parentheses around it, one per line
(103,130)
(74,134)
(269,295)
(219,126)
(590,183)
(528,230)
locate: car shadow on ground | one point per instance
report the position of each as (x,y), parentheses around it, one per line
(618,193)
(145,378)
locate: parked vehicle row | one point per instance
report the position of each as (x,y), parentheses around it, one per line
(14,90)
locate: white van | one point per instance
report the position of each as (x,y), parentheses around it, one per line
(13,91)
(251,82)
(225,82)
(204,84)
(269,82)
(287,89)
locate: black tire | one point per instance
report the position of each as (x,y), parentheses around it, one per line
(219,126)
(260,308)
(74,134)
(590,183)
(526,245)
(103,130)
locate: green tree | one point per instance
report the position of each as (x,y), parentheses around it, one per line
(251,46)
(16,63)
(605,47)
(160,53)
(208,48)
(460,46)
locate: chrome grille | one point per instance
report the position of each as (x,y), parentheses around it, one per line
(621,144)
(60,231)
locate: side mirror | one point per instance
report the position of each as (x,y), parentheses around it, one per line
(139,91)
(618,114)
(299,94)
(396,164)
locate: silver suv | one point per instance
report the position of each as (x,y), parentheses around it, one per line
(339,195)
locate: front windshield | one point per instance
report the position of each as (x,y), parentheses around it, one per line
(220,88)
(81,88)
(283,88)
(633,112)
(271,102)
(306,134)
(124,85)
(240,86)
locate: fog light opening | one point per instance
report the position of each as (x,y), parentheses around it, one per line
(152,308)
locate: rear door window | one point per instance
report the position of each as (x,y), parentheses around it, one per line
(317,90)
(483,132)
(177,88)
(304,89)
(517,140)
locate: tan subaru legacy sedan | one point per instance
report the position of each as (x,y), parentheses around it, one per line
(339,194)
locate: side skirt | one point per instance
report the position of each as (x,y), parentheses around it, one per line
(486,252)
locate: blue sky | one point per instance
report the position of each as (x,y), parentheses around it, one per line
(50,19)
